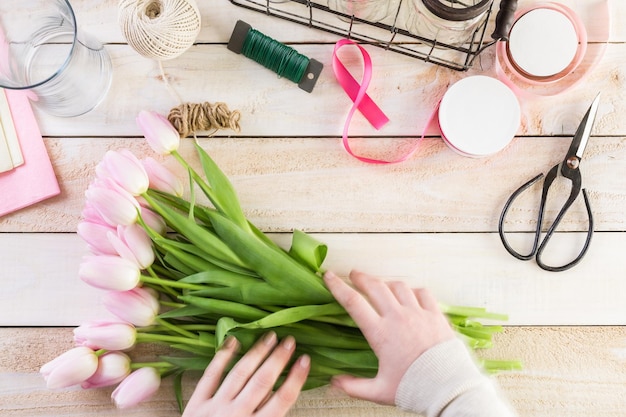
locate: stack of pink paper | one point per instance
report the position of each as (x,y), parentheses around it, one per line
(34,180)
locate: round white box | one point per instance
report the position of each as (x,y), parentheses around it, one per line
(478,116)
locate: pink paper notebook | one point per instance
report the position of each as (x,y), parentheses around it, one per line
(33,181)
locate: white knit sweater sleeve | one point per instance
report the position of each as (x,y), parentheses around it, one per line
(445,382)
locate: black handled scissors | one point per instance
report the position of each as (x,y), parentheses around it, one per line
(568,168)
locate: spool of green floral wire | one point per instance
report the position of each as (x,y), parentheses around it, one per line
(274,55)
(280,58)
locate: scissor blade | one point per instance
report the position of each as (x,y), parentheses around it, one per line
(579,142)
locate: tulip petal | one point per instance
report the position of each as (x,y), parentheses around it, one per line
(113,367)
(138,306)
(114,204)
(109,335)
(70,368)
(140,244)
(159,132)
(95,235)
(109,272)
(125,169)
(153,220)
(161,178)
(137,387)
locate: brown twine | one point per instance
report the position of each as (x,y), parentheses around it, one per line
(189,118)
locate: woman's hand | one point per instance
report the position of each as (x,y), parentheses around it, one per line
(247,388)
(399,323)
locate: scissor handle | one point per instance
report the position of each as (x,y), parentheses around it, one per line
(505,210)
(552,228)
(537,250)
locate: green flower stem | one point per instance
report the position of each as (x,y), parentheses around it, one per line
(188,327)
(491,365)
(201,241)
(172,294)
(166,289)
(474,312)
(171,284)
(151,232)
(224,199)
(168,339)
(161,366)
(199,327)
(171,304)
(198,179)
(196,327)
(171,326)
(163,272)
(192,196)
(100,352)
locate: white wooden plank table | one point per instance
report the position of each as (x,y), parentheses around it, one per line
(431,220)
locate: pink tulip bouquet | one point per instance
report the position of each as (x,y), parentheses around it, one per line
(188,275)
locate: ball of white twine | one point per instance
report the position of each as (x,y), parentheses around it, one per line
(159,29)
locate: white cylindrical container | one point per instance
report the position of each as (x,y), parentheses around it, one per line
(478,116)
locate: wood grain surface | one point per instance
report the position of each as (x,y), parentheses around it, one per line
(431,221)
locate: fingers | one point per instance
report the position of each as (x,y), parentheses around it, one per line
(247,389)
(355,304)
(403,293)
(286,396)
(377,291)
(212,376)
(263,380)
(246,367)
(426,299)
(382,296)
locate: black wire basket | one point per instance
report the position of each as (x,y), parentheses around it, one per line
(388,33)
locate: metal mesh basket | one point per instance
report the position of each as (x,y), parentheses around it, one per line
(388,33)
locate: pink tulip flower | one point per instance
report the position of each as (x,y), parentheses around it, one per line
(161,135)
(138,306)
(161,178)
(153,220)
(133,243)
(137,387)
(114,204)
(91,215)
(125,169)
(109,272)
(71,368)
(95,235)
(107,335)
(113,367)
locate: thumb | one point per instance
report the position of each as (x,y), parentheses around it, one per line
(362,388)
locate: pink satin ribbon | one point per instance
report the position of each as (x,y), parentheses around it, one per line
(361,101)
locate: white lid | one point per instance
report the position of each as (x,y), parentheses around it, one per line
(479,116)
(543,42)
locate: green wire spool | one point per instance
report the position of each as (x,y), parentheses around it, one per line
(276,56)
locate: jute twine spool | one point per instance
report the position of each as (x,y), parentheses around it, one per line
(159,29)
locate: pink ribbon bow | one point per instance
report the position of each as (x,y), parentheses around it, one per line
(361,101)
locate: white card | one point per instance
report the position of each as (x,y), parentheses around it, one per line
(10,135)
(6,163)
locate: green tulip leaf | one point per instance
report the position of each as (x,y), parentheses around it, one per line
(308,250)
